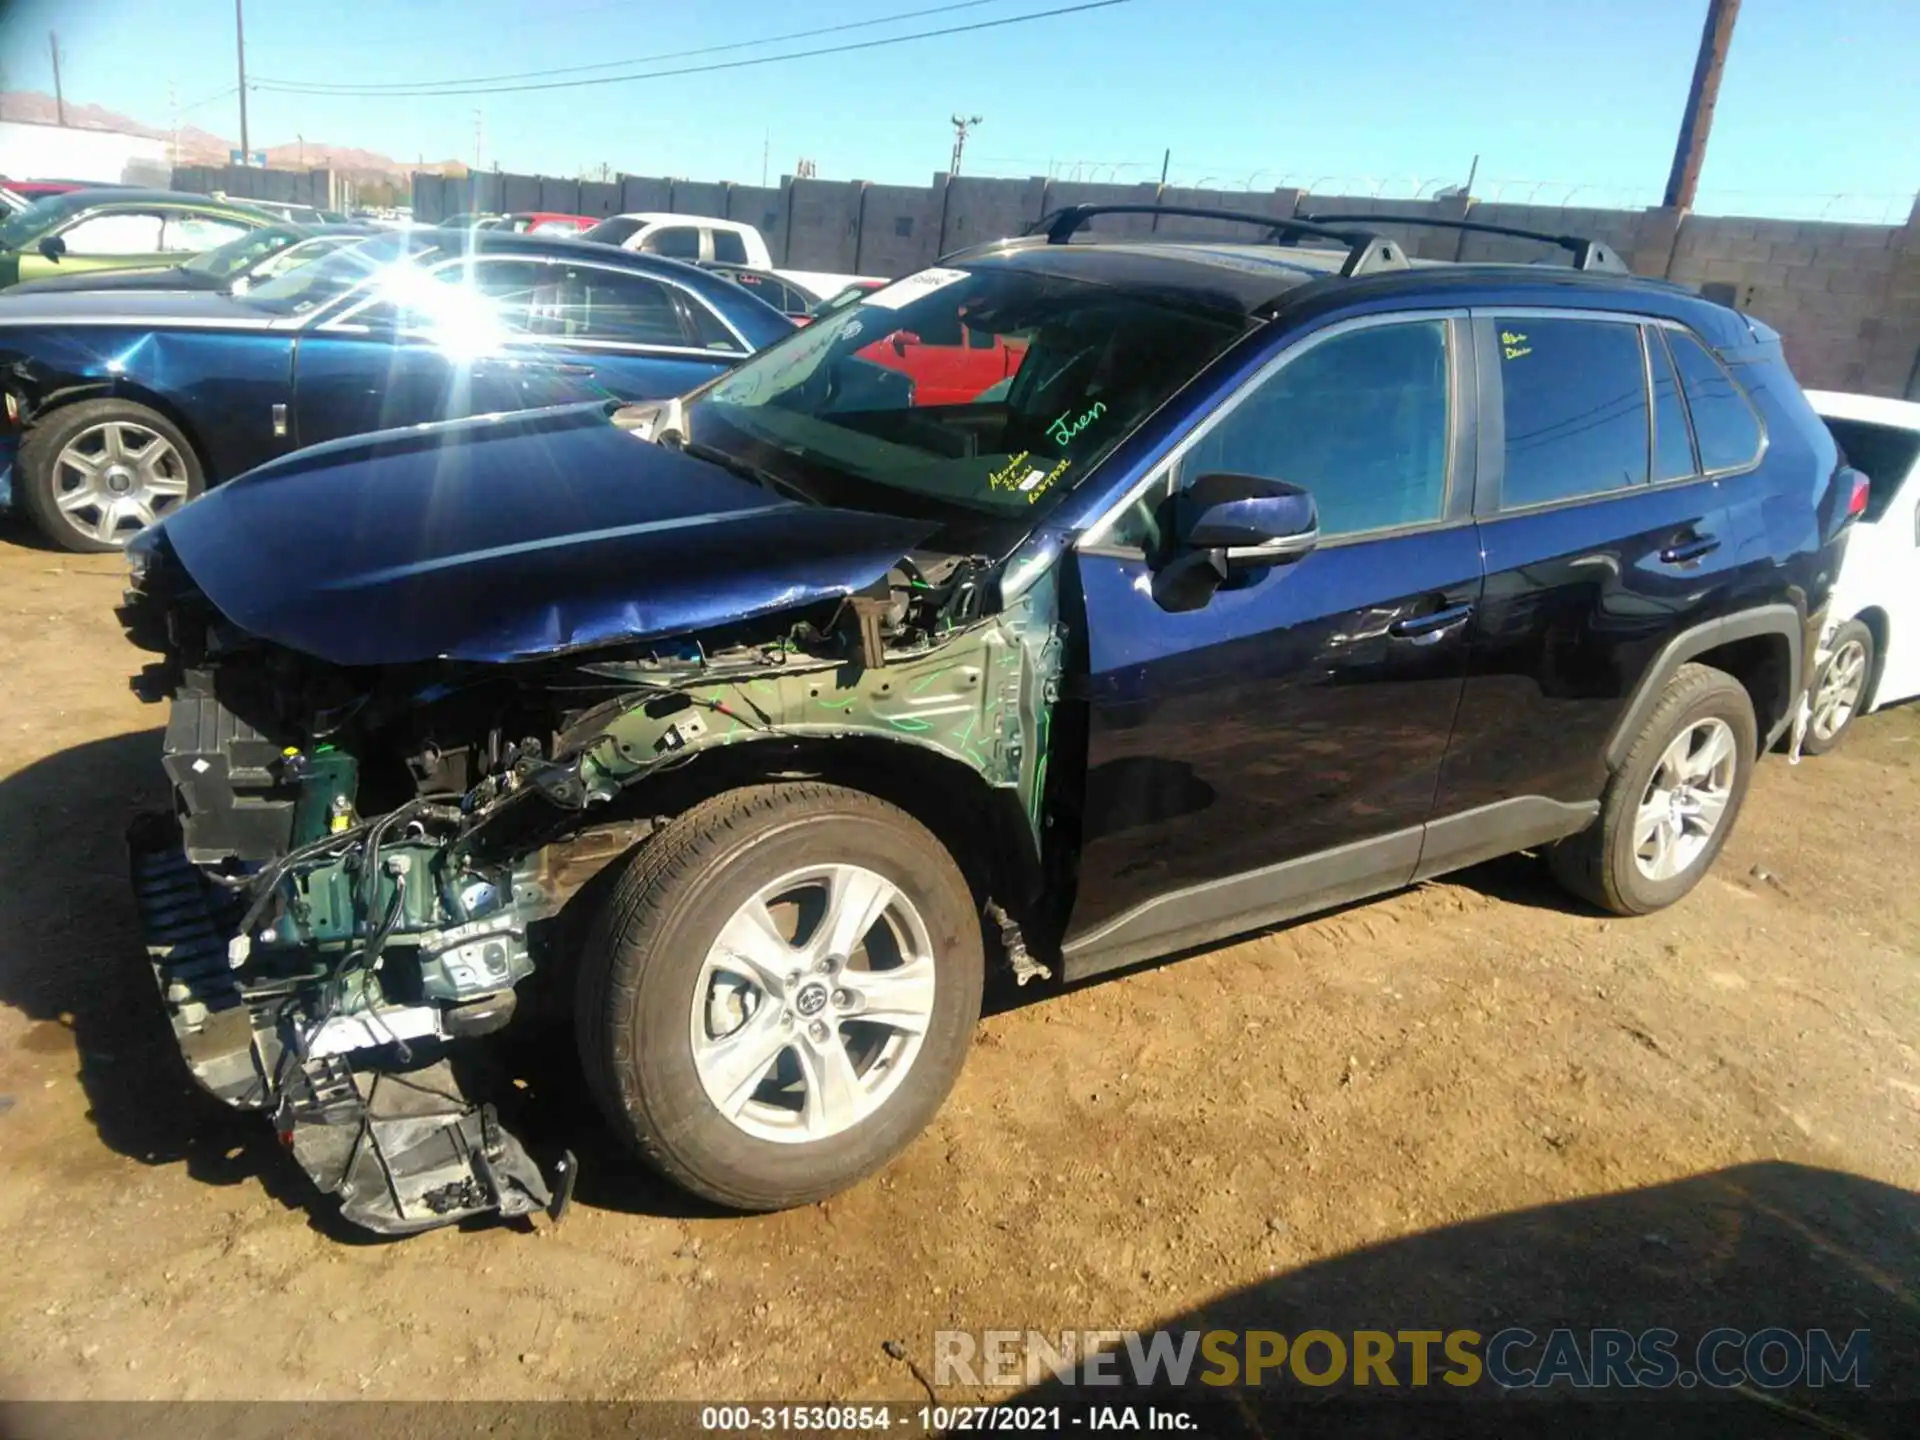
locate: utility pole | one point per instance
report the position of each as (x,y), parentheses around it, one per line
(240,40)
(961,129)
(479,134)
(59,95)
(1691,152)
(766,144)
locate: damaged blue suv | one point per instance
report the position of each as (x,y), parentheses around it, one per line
(771,717)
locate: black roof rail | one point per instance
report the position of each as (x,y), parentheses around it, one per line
(1587,254)
(1366,251)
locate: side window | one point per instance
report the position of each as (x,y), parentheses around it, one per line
(124,233)
(477,303)
(729,248)
(609,305)
(708,331)
(1723,418)
(676,242)
(1360,419)
(190,234)
(1574,396)
(512,293)
(1672,446)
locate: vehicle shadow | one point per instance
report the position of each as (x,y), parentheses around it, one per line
(72,963)
(1764,1245)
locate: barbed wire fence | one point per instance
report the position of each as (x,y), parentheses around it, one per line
(1883,208)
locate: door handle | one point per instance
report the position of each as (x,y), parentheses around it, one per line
(1432,626)
(1688,548)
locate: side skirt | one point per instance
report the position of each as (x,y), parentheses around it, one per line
(1239,904)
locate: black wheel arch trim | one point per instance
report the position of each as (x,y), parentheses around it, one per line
(1782,619)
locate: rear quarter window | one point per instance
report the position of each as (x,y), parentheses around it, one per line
(1725,427)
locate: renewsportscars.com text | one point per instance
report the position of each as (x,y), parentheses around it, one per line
(1772,1358)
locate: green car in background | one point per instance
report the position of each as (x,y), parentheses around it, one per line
(116,229)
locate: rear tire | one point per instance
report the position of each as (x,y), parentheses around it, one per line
(1841,690)
(1690,765)
(92,475)
(723,988)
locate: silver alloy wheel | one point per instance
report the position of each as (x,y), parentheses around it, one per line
(1685,799)
(115,478)
(1841,686)
(813,1003)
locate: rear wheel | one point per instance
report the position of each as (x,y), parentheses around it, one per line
(1841,689)
(1671,806)
(94,475)
(780,992)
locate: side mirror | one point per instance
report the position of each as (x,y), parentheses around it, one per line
(53,247)
(1226,526)
(1250,521)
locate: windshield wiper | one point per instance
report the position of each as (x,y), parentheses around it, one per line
(764,478)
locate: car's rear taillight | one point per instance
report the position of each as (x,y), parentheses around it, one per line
(1857,495)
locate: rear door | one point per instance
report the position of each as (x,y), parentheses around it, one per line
(1278,747)
(1607,529)
(605,332)
(445,352)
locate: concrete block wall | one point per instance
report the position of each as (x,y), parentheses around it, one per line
(1846,298)
(899,228)
(321,189)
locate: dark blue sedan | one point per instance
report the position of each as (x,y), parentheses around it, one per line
(121,407)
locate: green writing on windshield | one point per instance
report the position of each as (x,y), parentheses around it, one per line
(1063,430)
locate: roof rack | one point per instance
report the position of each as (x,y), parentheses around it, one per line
(1587,254)
(1366,251)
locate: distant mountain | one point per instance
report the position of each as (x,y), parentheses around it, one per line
(202,147)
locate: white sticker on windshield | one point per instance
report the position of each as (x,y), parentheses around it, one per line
(905,292)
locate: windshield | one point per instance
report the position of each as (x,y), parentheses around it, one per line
(995,391)
(23,227)
(225,261)
(301,291)
(304,253)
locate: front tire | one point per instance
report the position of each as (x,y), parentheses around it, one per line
(780,992)
(1841,690)
(93,475)
(1671,806)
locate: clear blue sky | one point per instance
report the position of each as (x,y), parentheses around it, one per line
(1821,98)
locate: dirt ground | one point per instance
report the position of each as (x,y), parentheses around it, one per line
(1467,1101)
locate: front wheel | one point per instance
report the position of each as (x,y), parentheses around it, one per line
(780,992)
(93,475)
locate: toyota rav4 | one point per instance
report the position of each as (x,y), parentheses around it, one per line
(1277,575)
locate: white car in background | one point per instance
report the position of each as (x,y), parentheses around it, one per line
(1873,650)
(696,238)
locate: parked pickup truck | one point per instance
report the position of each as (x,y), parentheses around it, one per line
(701,237)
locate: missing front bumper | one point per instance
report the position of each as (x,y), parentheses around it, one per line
(402,1146)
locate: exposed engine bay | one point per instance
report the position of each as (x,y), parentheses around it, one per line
(361,864)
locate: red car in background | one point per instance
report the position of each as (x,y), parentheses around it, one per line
(544,222)
(948,369)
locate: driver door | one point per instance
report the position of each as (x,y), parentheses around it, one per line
(1277,748)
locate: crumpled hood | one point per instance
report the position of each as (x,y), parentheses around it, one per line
(511,536)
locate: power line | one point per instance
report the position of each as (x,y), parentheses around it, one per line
(433,86)
(290,89)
